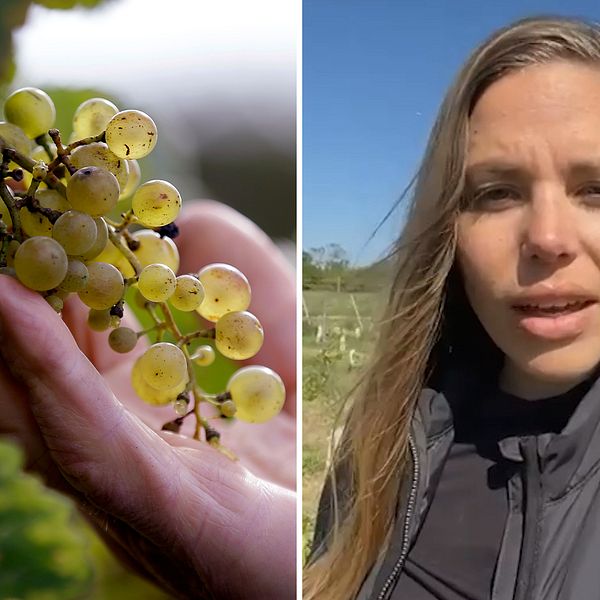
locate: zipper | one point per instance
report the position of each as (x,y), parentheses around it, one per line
(390,582)
(533,504)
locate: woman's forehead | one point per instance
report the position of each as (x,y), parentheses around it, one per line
(551,107)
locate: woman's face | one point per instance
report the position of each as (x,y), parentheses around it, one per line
(532,235)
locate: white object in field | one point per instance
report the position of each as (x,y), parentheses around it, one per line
(319,337)
(355,358)
(360,324)
(306,313)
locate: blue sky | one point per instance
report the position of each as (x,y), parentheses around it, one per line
(374,74)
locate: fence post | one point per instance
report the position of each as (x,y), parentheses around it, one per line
(360,323)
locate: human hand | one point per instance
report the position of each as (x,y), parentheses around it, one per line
(176,510)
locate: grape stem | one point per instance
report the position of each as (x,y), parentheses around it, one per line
(62,153)
(170,320)
(198,397)
(217,399)
(28,163)
(208,334)
(92,139)
(11,204)
(155,327)
(122,247)
(128,219)
(200,422)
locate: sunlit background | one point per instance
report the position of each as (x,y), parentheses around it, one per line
(218,78)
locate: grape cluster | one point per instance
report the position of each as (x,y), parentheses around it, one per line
(58,238)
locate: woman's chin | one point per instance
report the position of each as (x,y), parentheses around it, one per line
(549,373)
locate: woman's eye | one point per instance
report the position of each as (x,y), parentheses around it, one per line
(591,189)
(494,194)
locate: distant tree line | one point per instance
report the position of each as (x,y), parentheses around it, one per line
(328,268)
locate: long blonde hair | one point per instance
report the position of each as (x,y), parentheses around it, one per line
(426,312)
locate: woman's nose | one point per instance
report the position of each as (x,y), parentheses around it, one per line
(549,230)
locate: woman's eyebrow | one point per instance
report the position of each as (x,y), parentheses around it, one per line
(495,168)
(584,167)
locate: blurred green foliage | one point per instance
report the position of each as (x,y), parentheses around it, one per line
(42,556)
(48,551)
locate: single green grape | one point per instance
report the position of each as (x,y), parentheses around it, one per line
(105,286)
(39,153)
(111,255)
(100,241)
(34,223)
(5,214)
(98,154)
(238,335)
(156,282)
(133,179)
(163,366)
(204,356)
(122,339)
(188,294)
(181,406)
(228,408)
(40,263)
(154,249)
(56,302)
(156,203)
(92,116)
(31,109)
(99,320)
(75,231)
(149,394)
(49,198)
(226,289)
(11,251)
(257,392)
(93,190)
(76,278)
(131,134)
(15,138)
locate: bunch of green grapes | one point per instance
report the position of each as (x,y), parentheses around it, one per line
(57,238)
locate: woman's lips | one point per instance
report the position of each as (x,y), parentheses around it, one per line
(555,326)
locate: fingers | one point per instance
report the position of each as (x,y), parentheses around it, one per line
(212,232)
(101,449)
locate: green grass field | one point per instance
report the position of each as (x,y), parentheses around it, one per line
(327,379)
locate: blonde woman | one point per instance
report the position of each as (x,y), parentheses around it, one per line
(469,466)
